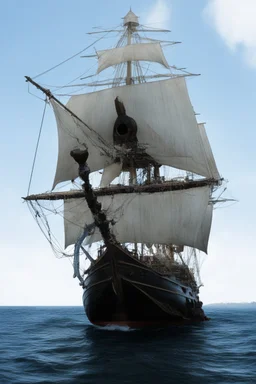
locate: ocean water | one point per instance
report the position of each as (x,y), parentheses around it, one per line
(59,345)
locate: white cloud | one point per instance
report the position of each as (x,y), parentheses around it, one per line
(159,15)
(234,20)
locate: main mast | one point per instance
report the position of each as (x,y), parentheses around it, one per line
(131,22)
(129,63)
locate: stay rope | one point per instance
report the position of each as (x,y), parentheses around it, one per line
(72,57)
(37,145)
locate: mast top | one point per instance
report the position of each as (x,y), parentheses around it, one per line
(131,18)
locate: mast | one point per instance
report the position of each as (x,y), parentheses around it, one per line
(131,22)
(129,63)
(133,178)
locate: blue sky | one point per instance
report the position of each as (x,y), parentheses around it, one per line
(218,41)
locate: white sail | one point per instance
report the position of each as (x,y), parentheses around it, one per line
(179,217)
(206,226)
(110,173)
(208,152)
(167,127)
(73,134)
(133,52)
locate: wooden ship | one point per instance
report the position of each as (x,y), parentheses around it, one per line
(144,225)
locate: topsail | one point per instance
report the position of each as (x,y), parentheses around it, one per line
(133,52)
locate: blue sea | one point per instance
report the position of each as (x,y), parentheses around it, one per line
(58,345)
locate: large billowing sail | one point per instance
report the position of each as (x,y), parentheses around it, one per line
(133,52)
(73,134)
(179,217)
(167,127)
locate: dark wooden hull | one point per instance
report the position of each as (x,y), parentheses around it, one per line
(119,289)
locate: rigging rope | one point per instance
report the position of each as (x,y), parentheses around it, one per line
(71,57)
(37,145)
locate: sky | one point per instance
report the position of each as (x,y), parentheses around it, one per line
(218,41)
